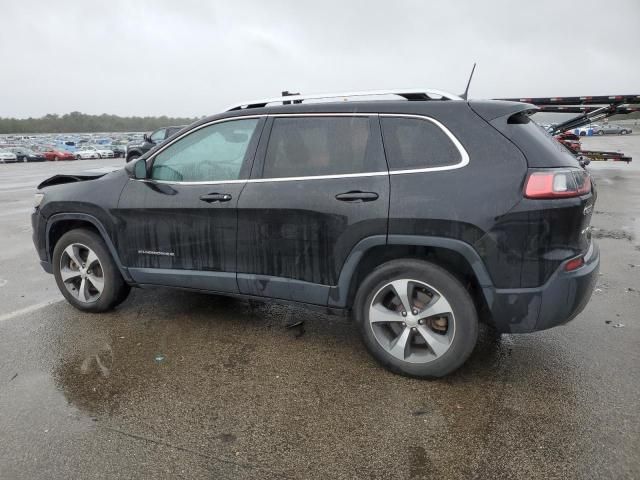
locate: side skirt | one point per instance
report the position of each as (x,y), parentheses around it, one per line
(340,312)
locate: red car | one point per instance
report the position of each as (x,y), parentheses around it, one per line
(53,154)
(569,140)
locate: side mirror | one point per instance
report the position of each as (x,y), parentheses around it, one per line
(147,138)
(140,169)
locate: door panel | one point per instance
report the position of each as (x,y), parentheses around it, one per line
(179,227)
(299,230)
(169,226)
(294,234)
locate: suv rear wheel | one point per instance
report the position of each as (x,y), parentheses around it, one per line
(86,274)
(416,318)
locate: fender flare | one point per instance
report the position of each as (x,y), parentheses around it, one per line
(338,295)
(85,217)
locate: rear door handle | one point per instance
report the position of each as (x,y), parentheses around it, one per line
(357,196)
(215,197)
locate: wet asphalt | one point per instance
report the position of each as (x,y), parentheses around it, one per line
(182,385)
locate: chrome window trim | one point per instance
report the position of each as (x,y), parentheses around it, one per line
(463,153)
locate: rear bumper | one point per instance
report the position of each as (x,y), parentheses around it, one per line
(557,302)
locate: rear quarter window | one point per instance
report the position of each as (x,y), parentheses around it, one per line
(412,143)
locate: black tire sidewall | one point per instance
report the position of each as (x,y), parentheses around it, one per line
(113,281)
(464,311)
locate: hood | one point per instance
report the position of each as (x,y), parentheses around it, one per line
(77,177)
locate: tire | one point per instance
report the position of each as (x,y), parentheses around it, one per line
(78,157)
(102,269)
(131,158)
(452,335)
(623,132)
(600,132)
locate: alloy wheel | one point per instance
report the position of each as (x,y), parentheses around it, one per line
(81,273)
(412,321)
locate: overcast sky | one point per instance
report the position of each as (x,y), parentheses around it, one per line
(193,58)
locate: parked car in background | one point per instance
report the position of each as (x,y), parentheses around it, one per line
(27,155)
(611,129)
(7,156)
(585,130)
(86,153)
(66,145)
(103,151)
(118,150)
(138,148)
(569,140)
(53,154)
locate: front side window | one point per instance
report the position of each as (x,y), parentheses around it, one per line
(417,143)
(158,136)
(312,146)
(213,153)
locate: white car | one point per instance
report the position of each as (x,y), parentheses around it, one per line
(585,130)
(103,151)
(85,153)
(7,157)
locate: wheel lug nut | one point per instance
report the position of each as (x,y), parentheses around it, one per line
(413,329)
(415,312)
(404,324)
(404,314)
(420,322)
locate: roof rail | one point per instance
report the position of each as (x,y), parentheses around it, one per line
(408,94)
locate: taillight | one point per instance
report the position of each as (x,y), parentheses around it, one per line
(574,264)
(557,184)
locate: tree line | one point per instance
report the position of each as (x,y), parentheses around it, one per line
(77,122)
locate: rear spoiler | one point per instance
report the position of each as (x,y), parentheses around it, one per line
(490,110)
(590,108)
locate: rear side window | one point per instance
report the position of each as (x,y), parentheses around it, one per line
(417,143)
(311,146)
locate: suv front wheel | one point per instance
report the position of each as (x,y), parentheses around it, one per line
(86,274)
(416,318)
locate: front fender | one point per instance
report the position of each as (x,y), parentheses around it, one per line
(84,217)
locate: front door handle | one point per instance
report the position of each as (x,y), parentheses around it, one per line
(215,197)
(357,196)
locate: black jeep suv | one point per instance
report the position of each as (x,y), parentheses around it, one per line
(138,148)
(420,216)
